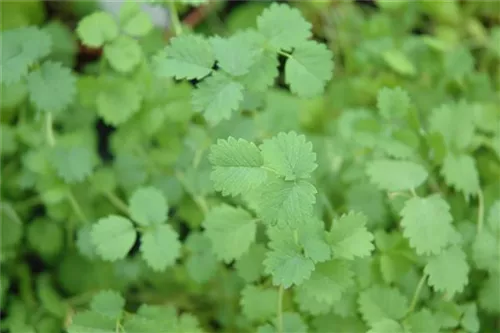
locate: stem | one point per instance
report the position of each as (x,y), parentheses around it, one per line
(10,212)
(279,323)
(117,202)
(174,18)
(296,236)
(417,293)
(480,211)
(76,207)
(413,192)
(49,132)
(328,205)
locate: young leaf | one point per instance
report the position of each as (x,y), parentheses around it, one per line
(349,238)
(231,230)
(217,97)
(237,166)
(391,175)
(308,69)
(289,155)
(283,27)
(123,54)
(148,206)
(187,57)
(160,246)
(113,237)
(134,21)
(96,29)
(262,73)
(448,271)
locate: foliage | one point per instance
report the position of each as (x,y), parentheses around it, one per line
(306,167)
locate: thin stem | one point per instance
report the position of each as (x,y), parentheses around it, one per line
(117,202)
(174,18)
(49,132)
(287,55)
(417,293)
(296,236)
(279,323)
(480,211)
(76,207)
(11,212)
(328,205)
(413,192)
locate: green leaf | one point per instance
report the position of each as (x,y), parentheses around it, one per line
(236,54)
(262,73)
(113,237)
(349,238)
(21,48)
(96,29)
(391,175)
(308,69)
(385,325)
(289,155)
(217,97)
(231,230)
(455,122)
(249,266)
(393,103)
(148,206)
(399,62)
(237,166)
(134,21)
(108,303)
(187,57)
(91,322)
(123,54)
(285,202)
(202,264)
(73,164)
(117,100)
(51,87)
(283,26)
(160,246)
(424,321)
(448,271)
(312,237)
(382,302)
(258,304)
(460,172)
(426,223)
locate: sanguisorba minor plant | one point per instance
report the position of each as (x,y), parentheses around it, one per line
(237,189)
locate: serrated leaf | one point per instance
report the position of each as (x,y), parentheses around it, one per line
(423,321)
(460,172)
(391,175)
(448,271)
(160,246)
(217,97)
(117,100)
(123,54)
(21,48)
(91,322)
(108,303)
(426,223)
(393,103)
(249,266)
(96,29)
(236,54)
(148,206)
(258,304)
(283,26)
(455,122)
(73,164)
(237,166)
(187,57)
(231,230)
(308,69)
(51,87)
(262,73)
(349,238)
(288,266)
(134,21)
(385,325)
(312,237)
(289,155)
(382,302)
(113,237)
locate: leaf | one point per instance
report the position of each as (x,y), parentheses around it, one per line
(113,237)
(288,266)
(73,164)
(160,247)
(91,322)
(329,280)
(349,238)
(455,122)
(399,62)
(258,303)
(117,100)
(134,21)
(51,87)
(393,176)
(123,54)
(286,202)
(249,266)
(426,223)
(308,69)
(237,166)
(289,155)
(385,325)
(231,230)
(96,29)
(460,172)
(448,271)
(312,237)
(202,264)
(187,57)
(262,72)
(283,26)
(393,103)
(21,48)
(108,303)
(217,97)
(424,321)
(236,54)
(148,206)
(382,302)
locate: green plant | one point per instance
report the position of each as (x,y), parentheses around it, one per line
(238,183)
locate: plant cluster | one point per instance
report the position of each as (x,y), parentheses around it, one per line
(231,179)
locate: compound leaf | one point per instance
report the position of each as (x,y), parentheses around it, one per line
(96,29)
(160,246)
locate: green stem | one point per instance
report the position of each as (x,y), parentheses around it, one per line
(76,207)
(480,211)
(413,192)
(11,212)
(174,18)
(328,205)
(117,202)
(279,323)
(49,132)
(417,293)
